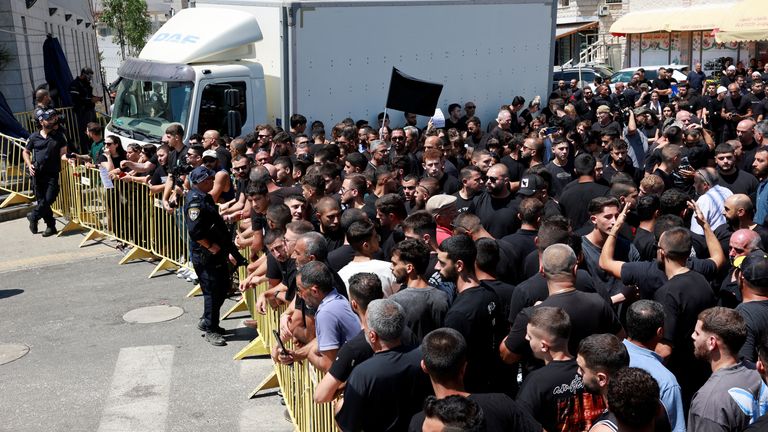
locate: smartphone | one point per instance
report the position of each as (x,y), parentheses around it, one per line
(280,342)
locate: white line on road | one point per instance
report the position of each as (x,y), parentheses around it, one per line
(138,395)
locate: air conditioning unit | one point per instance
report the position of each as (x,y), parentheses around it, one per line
(603,11)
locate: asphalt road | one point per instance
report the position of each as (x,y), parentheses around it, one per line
(89,370)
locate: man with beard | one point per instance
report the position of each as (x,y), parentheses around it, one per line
(735,109)
(586,108)
(493,205)
(712,101)
(685,294)
(740,244)
(753,284)
(425,306)
(475,136)
(560,167)
(42,155)
(471,184)
(475,313)
(619,155)
(335,322)
(422,227)
(408,185)
(745,132)
(399,145)
(717,338)
(739,214)
(756,98)
(760,170)
(352,193)
(738,181)
(328,215)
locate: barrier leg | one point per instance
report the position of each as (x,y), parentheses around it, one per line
(165,264)
(240,306)
(267,383)
(137,253)
(92,235)
(257,347)
(14,198)
(70,226)
(196,291)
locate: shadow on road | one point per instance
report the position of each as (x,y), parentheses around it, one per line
(10,293)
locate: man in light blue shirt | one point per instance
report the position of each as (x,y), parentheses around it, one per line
(645,328)
(760,170)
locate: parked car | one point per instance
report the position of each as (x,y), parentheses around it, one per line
(651,73)
(587,74)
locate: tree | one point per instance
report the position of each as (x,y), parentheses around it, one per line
(130,22)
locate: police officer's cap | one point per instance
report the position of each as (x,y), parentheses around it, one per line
(45,113)
(200,174)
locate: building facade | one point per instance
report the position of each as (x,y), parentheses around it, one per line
(24,27)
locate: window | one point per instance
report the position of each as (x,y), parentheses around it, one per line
(613,1)
(213,106)
(564,3)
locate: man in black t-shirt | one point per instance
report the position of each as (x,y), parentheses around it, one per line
(385,391)
(445,360)
(577,194)
(731,177)
(493,206)
(523,241)
(471,184)
(475,313)
(685,294)
(554,395)
(589,312)
(663,85)
(42,155)
(752,278)
(735,109)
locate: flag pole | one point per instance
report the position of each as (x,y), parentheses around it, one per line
(383,122)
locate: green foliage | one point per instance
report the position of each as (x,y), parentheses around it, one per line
(131,24)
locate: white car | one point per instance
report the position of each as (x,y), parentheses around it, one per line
(651,72)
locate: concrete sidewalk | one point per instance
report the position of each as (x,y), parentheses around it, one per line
(66,303)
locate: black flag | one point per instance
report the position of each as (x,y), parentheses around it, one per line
(412,95)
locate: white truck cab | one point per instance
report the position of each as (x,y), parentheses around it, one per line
(185,75)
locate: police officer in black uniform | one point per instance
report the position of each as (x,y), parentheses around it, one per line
(211,251)
(42,155)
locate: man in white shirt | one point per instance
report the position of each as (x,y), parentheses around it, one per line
(364,239)
(711,200)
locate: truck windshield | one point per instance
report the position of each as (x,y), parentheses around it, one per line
(144,109)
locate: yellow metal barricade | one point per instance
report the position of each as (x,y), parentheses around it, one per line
(14,176)
(68,121)
(168,235)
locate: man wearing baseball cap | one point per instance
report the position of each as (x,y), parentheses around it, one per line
(752,277)
(83,103)
(211,251)
(222,185)
(442,207)
(42,155)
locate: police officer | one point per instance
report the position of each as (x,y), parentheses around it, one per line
(211,251)
(42,155)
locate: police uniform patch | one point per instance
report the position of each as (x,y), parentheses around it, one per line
(193,213)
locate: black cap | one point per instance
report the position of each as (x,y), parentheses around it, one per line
(754,268)
(530,184)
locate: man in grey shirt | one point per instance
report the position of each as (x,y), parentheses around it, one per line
(425,306)
(724,402)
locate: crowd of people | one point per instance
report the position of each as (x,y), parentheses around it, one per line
(596,264)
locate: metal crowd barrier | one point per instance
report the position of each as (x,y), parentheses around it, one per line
(14,177)
(28,120)
(297,381)
(129,213)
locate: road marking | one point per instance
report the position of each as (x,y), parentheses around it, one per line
(138,395)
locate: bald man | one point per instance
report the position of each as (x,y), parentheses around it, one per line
(739,211)
(735,109)
(742,243)
(496,207)
(712,197)
(745,132)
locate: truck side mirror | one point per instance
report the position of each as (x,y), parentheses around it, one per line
(234,124)
(232,98)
